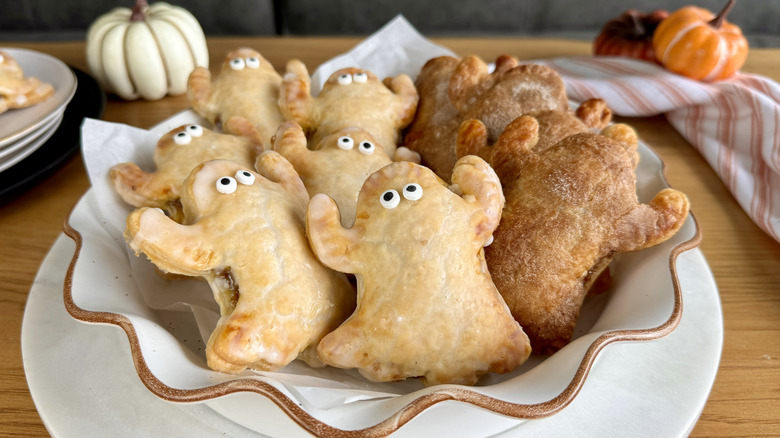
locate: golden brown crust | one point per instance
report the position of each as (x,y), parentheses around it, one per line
(594,113)
(472,140)
(248,89)
(500,97)
(518,139)
(295,99)
(351,97)
(432,133)
(426,305)
(627,137)
(453,91)
(569,209)
(242,127)
(337,166)
(554,126)
(177,153)
(276,300)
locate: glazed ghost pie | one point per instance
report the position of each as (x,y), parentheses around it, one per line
(244,234)
(247,86)
(351,97)
(569,209)
(426,305)
(176,154)
(338,165)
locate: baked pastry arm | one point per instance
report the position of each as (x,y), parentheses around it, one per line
(150,231)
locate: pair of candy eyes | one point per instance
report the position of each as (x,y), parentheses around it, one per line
(348,143)
(240,63)
(185,137)
(347,79)
(228,184)
(390,198)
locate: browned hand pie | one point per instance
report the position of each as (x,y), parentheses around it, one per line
(555,125)
(569,209)
(453,90)
(176,154)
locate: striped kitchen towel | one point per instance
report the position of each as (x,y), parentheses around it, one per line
(734,124)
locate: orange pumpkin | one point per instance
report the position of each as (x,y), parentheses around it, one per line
(695,43)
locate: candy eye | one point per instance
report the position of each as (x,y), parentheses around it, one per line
(345,79)
(237,64)
(367,147)
(360,77)
(346,143)
(390,199)
(182,138)
(252,62)
(413,192)
(245,177)
(226,185)
(195,130)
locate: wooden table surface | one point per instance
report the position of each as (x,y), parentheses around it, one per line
(745,399)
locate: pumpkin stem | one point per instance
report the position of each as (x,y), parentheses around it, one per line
(721,17)
(139,10)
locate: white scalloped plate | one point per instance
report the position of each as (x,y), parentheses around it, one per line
(645,303)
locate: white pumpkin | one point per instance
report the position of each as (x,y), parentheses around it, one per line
(146,52)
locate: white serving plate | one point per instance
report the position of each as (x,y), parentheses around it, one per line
(21,143)
(106,284)
(84,383)
(16,153)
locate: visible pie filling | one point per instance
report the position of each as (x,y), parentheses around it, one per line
(228,288)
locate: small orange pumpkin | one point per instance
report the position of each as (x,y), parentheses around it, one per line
(695,43)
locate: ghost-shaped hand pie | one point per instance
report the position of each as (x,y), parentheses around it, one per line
(500,97)
(176,154)
(452,91)
(246,237)
(435,125)
(337,166)
(555,125)
(17,91)
(351,97)
(569,209)
(247,87)
(426,305)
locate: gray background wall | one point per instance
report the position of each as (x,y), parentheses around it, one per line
(69,19)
